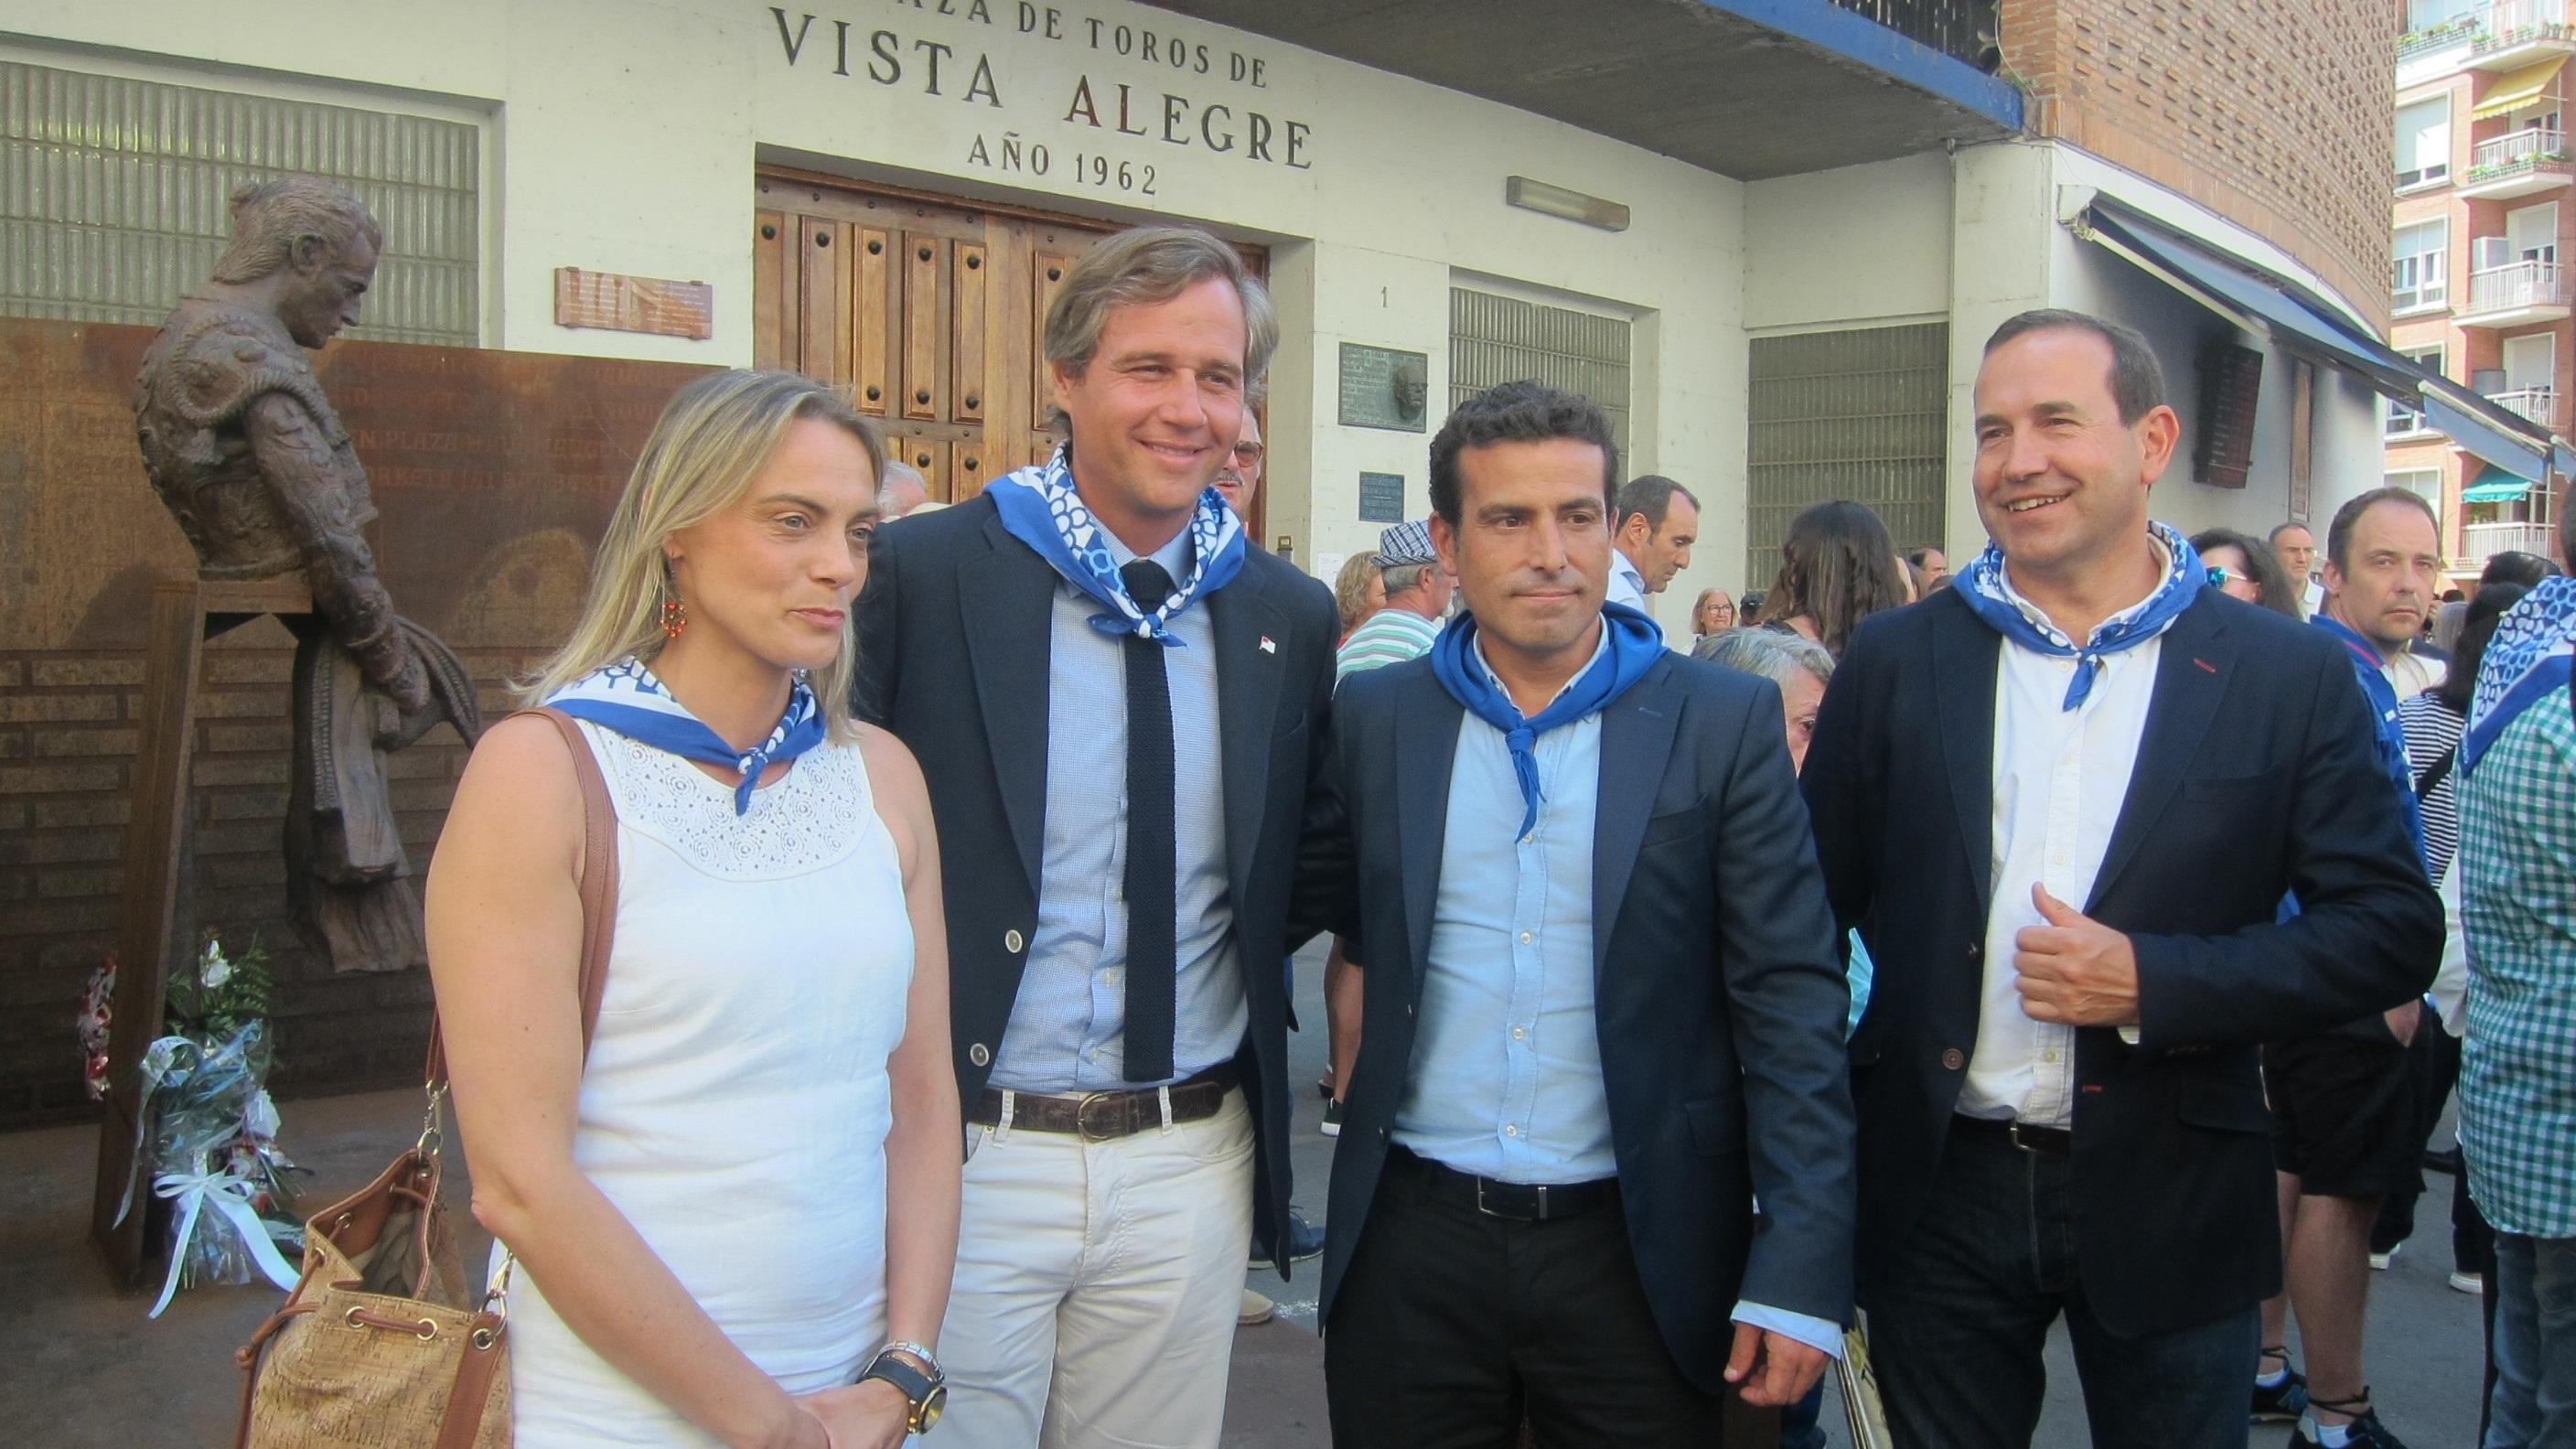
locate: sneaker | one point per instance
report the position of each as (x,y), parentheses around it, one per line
(2365,1432)
(1324,1088)
(1304,1241)
(1255,1309)
(1332,1119)
(2473,1284)
(2379,1261)
(2282,1402)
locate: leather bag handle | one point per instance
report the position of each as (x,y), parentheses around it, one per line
(598,891)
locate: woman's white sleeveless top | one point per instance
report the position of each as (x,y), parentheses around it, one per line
(735,1104)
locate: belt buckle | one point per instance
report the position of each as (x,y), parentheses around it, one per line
(2013,1134)
(1538,1217)
(1083,1125)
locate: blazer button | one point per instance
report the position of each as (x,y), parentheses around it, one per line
(982,1055)
(1950,1059)
(1975,950)
(1012,941)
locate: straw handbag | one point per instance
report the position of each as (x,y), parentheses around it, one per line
(380,1345)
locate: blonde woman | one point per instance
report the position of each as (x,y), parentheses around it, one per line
(1359,590)
(737,1224)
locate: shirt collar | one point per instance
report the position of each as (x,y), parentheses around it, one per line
(2039,618)
(1599,648)
(1173,556)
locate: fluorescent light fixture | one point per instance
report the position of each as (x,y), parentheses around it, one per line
(1557,201)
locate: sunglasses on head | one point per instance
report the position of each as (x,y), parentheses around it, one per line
(2220,575)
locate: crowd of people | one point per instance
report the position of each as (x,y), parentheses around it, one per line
(1949,954)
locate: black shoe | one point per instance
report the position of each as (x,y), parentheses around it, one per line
(2282,1402)
(1332,1119)
(2445,1159)
(2365,1432)
(1304,1242)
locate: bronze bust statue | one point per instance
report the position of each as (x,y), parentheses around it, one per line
(251,459)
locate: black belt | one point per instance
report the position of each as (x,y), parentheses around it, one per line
(2046,1141)
(1518,1201)
(1103,1116)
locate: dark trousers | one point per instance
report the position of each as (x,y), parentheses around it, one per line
(2434,1064)
(1450,1327)
(1958,1323)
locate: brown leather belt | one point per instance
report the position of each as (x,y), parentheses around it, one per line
(2046,1141)
(1517,1201)
(1106,1116)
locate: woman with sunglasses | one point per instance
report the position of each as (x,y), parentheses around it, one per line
(2243,569)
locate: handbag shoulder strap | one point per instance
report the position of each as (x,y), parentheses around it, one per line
(2437,772)
(598,888)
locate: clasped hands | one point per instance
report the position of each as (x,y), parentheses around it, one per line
(2073,970)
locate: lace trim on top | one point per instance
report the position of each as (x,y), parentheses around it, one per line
(815,816)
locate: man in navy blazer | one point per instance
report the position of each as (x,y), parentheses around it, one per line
(2062,801)
(1603,1009)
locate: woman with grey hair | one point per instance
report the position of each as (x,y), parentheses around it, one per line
(1799,665)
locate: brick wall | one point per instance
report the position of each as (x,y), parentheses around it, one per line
(494,473)
(2276,114)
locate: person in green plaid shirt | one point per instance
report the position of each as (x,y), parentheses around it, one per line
(2517,877)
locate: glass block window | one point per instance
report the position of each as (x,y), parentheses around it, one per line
(115,197)
(1859,414)
(1494,340)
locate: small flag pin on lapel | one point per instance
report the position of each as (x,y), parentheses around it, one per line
(1267,647)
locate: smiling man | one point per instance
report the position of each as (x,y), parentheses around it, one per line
(1603,1011)
(2055,1079)
(1116,702)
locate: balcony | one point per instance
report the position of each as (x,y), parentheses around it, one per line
(2509,296)
(2522,163)
(2514,33)
(2482,541)
(2540,404)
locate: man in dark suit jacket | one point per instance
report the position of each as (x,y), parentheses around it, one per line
(1118,761)
(1602,1011)
(2067,861)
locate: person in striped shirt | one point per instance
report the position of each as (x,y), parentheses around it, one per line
(1417,599)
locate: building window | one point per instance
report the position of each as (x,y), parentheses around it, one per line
(2423,142)
(2405,419)
(119,197)
(2424,483)
(2421,264)
(2426,14)
(1495,339)
(1859,414)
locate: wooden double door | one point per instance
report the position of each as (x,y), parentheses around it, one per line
(929,309)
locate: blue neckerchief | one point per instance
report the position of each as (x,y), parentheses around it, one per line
(1041,508)
(1981,586)
(627,698)
(2388,731)
(2532,655)
(1634,646)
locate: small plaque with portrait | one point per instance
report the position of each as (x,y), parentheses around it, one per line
(1383,387)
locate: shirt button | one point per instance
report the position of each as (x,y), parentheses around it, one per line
(1953,1059)
(1518,1034)
(1111,975)
(2048,1056)
(980,1054)
(1012,941)
(1527,937)
(1512,1131)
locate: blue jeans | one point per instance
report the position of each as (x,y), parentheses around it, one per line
(2535,1344)
(1958,1324)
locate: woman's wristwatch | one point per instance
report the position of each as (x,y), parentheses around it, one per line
(927,1392)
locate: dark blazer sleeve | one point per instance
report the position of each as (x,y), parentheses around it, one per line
(880,627)
(1787,1001)
(2369,932)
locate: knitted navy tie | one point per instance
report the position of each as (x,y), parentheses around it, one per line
(1152,854)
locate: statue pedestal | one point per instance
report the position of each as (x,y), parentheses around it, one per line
(186,612)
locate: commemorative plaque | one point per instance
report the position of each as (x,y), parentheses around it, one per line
(1383,387)
(1381,498)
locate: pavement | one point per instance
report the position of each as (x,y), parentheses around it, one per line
(81,1367)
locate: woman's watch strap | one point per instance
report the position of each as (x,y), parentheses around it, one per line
(929,1360)
(927,1393)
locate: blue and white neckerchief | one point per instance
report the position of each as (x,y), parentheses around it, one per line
(1981,586)
(2532,656)
(1631,646)
(627,698)
(1041,508)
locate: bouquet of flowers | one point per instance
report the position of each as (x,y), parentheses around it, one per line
(210,1130)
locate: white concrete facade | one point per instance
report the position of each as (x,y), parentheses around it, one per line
(623,136)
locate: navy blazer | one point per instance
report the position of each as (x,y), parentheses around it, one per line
(1718,994)
(2255,777)
(954,635)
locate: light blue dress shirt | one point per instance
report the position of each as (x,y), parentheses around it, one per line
(1067,1028)
(1506,1072)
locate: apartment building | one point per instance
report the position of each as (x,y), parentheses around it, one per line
(2483,213)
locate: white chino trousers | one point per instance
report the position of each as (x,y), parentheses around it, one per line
(1097,1285)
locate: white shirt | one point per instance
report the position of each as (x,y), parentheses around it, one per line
(2060,777)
